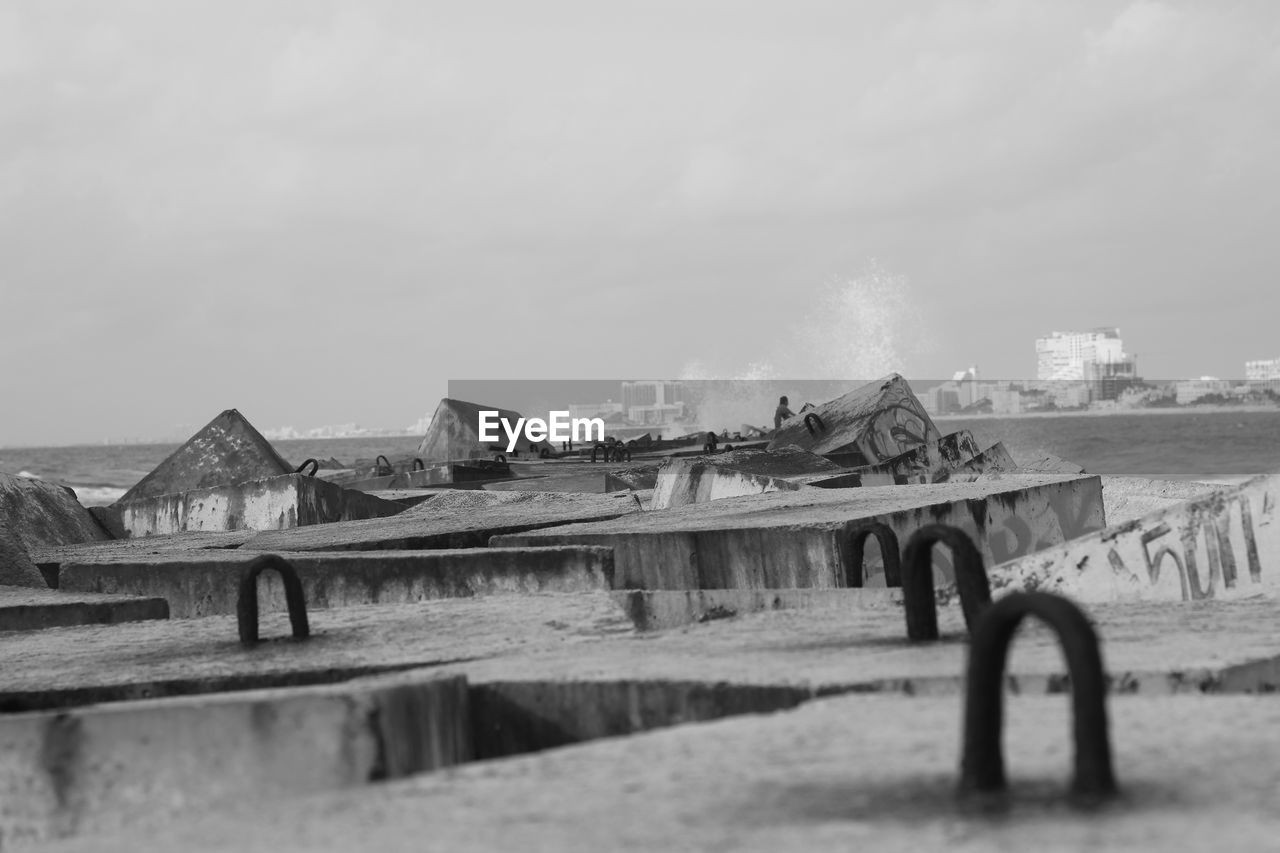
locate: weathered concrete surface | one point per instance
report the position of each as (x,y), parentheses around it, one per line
(226,450)
(658,610)
(1129,498)
(933,462)
(24,609)
(136,765)
(458,519)
(638,477)
(63,667)
(842,773)
(801,539)
(290,500)
(207,583)
(437,474)
(49,559)
(681,482)
(1222,544)
(996,459)
(16,567)
(40,514)
(871,424)
(405,497)
(454,434)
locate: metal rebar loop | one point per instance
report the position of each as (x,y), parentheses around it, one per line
(315,466)
(247,600)
(889,555)
(812,418)
(982,763)
(382,466)
(419,465)
(917,579)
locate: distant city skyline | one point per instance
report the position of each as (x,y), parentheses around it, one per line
(322,213)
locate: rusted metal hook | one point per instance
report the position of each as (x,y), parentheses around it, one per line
(812,418)
(982,762)
(419,465)
(247,599)
(917,579)
(888,553)
(382,466)
(315,466)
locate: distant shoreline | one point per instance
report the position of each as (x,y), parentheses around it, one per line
(1107,413)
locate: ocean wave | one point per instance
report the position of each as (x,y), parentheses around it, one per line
(98,495)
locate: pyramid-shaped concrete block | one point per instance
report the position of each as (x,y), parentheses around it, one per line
(869,425)
(454,434)
(16,568)
(227,450)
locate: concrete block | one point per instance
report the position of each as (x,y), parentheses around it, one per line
(454,435)
(227,450)
(800,539)
(291,500)
(1223,544)
(33,610)
(925,463)
(839,773)
(206,583)
(137,765)
(437,474)
(458,519)
(660,610)
(681,482)
(625,479)
(48,560)
(40,514)
(16,567)
(1129,498)
(869,425)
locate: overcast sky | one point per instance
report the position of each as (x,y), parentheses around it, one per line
(320,212)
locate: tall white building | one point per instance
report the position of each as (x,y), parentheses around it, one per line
(1079,355)
(1263,369)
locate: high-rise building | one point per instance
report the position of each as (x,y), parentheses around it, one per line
(1262,370)
(653,401)
(1064,355)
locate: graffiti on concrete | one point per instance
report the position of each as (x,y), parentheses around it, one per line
(1166,548)
(895,430)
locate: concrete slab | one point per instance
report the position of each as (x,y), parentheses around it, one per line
(48,560)
(16,567)
(681,482)
(800,539)
(874,423)
(436,474)
(291,500)
(1223,544)
(1129,498)
(41,515)
(637,477)
(136,765)
(458,519)
(35,609)
(226,450)
(843,773)
(664,609)
(206,583)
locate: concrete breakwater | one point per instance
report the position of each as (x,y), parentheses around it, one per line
(494,661)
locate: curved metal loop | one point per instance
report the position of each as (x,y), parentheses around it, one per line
(315,466)
(812,418)
(544,453)
(382,466)
(917,579)
(889,554)
(599,447)
(247,599)
(419,465)
(982,762)
(500,458)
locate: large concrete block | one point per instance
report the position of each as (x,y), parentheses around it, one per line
(681,482)
(639,477)
(454,435)
(40,514)
(277,503)
(136,765)
(436,474)
(933,462)
(457,519)
(867,426)
(1223,544)
(226,450)
(34,610)
(801,539)
(206,583)
(16,567)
